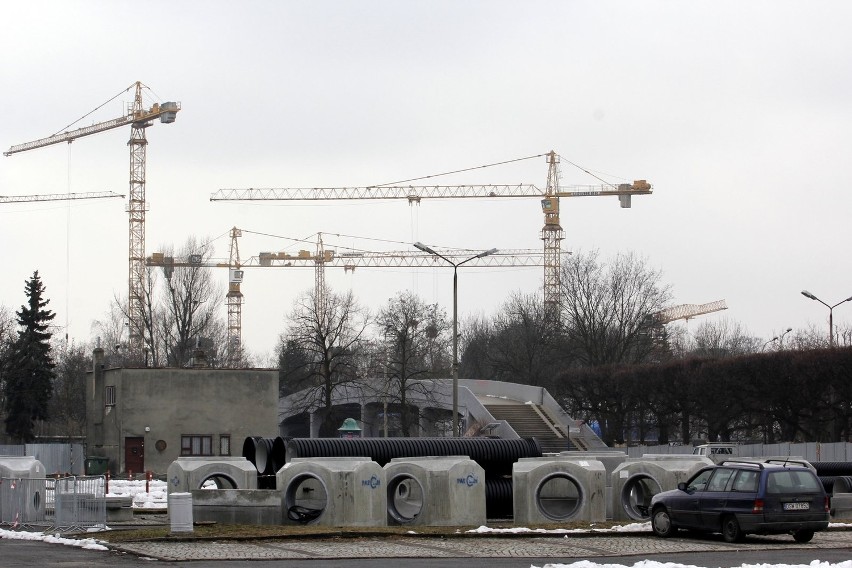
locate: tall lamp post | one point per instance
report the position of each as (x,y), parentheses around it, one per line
(807,294)
(455,266)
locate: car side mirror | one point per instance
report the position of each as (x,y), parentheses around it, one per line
(682,486)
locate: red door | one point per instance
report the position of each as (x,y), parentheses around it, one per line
(134,455)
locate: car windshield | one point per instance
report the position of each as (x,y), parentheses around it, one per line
(792,482)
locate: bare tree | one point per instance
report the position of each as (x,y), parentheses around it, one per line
(111,334)
(417,338)
(68,403)
(189,307)
(320,350)
(722,338)
(816,337)
(525,347)
(476,335)
(181,312)
(606,307)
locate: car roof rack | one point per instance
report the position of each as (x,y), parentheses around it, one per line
(739,462)
(788,462)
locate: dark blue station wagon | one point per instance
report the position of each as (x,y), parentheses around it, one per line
(740,498)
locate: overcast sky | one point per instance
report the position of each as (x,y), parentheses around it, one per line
(739,113)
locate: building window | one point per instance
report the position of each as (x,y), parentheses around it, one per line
(196,445)
(224,444)
(109,395)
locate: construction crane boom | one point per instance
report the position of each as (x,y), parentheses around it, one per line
(551,233)
(139,118)
(165,112)
(352,260)
(688,311)
(415,193)
(58,197)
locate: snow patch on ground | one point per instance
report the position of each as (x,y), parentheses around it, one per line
(87,543)
(653,564)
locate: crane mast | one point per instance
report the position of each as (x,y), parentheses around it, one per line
(552,235)
(234,301)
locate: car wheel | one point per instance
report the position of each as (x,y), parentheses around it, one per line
(803,536)
(731,530)
(661,523)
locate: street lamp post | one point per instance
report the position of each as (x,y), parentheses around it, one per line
(807,294)
(781,339)
(455,369)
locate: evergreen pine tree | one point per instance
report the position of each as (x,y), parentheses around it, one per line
(28,368)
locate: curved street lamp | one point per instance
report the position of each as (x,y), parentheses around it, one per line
(807,294)
(778,338)
(455,266)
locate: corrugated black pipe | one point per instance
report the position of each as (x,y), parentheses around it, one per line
(495,455)
(833,468)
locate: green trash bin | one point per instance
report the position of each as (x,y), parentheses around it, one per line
(96,465)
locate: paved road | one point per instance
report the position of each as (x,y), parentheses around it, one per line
(414,552)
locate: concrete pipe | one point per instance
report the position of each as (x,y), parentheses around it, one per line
(636,480)
(558,488)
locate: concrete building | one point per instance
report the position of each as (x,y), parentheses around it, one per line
(142,419)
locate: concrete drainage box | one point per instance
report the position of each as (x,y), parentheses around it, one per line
(638,479)
(25,498)
(435,491)
(21,467)
(558,488)
(332,491)
(188,473)
(610,459)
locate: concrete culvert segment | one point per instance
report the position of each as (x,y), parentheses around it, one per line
(636,480)
(558,488)
(559,496)
(220,480)
(305,499)
(636,496)
(186,474)
(333,491)
(405,499)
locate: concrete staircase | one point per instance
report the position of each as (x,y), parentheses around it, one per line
(529,421)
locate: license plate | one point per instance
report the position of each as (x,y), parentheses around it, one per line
(797,506)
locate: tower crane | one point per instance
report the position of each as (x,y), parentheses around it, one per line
(551,233)
(139,118)
(322,258)
(688,311)
(58,197)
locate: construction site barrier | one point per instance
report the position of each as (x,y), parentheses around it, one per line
(59,504)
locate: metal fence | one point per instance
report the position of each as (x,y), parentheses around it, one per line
(811,451)
(57,504)
(56,458)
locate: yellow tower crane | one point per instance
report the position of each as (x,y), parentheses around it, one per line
(551,233)
(139,118)
(322,258)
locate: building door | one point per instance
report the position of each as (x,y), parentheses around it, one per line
(134,455)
